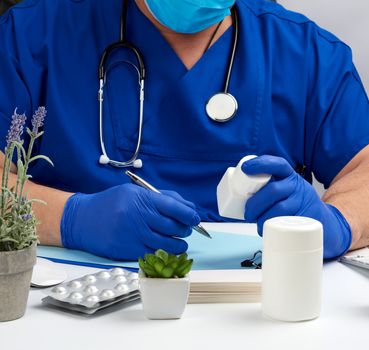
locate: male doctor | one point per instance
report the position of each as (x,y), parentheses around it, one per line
(301,105)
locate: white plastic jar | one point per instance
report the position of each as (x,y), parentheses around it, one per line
(292,268)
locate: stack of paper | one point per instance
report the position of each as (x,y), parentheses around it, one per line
(225,286)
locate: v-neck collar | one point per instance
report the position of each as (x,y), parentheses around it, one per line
(146,36)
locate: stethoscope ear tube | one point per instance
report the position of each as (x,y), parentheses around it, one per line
(118,45)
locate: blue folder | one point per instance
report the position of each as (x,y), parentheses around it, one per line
(224,251)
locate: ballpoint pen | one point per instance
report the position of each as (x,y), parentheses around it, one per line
(141,182)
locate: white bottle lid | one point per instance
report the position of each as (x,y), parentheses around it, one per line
(248,184)
(292,234)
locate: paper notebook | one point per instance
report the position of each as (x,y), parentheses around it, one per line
(225,251)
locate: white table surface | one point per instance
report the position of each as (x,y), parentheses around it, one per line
(343,324)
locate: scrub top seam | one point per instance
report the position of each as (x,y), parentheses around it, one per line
(302,23)
(277,15)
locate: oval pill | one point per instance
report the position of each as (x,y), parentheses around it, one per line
(133,276)
(117,271)
(75,296)
(75,284)
(107,294)
(122,288)
(104,274)
(120,279)
(93,299)
(90,279)
(91,289)
(134,284)
(59,290)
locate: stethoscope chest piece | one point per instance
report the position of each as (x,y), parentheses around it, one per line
(222,107)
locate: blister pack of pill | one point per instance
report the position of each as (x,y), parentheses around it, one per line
(94,292)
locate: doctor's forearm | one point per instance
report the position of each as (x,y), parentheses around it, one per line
(350,194)
(49,215)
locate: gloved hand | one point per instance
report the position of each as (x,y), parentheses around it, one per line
(288,194)
(127,221)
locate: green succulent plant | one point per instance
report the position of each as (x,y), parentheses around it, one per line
(165,265)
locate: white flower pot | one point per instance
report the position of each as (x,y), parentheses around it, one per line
(163,298)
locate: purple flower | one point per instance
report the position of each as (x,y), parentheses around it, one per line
(27,217)
(38,119)
(16,128)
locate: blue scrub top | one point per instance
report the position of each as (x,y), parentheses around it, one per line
(299,97)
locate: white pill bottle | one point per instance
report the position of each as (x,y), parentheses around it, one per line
(292,268)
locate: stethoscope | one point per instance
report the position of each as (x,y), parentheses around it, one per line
(221,107)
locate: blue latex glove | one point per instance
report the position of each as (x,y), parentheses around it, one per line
(288,194)
(127,221)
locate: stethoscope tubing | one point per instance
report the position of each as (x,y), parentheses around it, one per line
(102,75)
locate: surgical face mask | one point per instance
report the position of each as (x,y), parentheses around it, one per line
(189,16)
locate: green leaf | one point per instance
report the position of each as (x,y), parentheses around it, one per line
(150,259)
(167,272)
(34,200)
(20,170)
(42,157)
(8,239)
(20,148)
(141,263)
(149,272)
(184,269)
(159,265)
(163,255)
(173,261)
(182,258)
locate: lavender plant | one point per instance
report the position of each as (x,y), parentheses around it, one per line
(17,220)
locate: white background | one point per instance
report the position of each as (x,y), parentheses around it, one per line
(347,19)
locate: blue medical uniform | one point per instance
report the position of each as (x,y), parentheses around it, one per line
(299,96)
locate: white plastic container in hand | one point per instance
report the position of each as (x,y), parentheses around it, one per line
(292,268)
(236,188)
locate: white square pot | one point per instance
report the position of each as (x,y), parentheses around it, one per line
(163,298)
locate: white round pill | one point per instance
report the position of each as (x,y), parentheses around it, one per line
(91,289)
(107,294)
(133,276)
(75,296)
(121,288)
(92,299)
(117,271)
(59,290)
(134,284)
(75,284)
(104,274)
(120,279)
(90,279)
